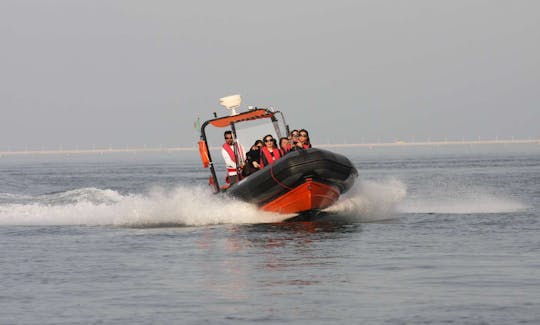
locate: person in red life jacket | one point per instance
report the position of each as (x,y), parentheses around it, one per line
(303,140)
(270,152)
(284,145)
(230,151)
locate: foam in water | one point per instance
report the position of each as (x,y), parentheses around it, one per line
(370,201)
(190,206)
(196,206)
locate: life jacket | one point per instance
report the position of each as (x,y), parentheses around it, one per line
(230,151)
(286,149)
(268,156)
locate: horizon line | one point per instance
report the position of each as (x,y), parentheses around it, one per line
(337,145)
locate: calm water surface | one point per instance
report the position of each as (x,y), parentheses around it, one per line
(427,237)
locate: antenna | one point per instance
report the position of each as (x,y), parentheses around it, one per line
(231,103)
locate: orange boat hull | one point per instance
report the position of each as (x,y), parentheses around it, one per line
(308,196)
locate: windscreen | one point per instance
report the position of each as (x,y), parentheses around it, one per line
(247,133)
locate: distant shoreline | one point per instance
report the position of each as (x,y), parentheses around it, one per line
(101,151)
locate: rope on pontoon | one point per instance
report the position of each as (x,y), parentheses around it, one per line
(276,180)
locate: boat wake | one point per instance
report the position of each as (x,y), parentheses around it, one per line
(370,201)
(182,206)
(367,201)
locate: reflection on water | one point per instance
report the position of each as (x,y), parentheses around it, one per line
(278,258)
(305,233)
(276,252)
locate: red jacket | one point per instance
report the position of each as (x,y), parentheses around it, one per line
(268,158)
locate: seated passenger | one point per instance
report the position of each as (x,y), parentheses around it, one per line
(284,145)
(293,137)
(303,140)
(270,152)
(253,156)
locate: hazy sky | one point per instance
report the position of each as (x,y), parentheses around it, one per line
(111,72)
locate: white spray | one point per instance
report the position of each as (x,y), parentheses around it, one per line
(184,206)
(370,201)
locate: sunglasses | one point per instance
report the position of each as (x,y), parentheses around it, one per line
(268,140)
(228,138)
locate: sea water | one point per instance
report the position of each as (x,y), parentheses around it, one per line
(427,236)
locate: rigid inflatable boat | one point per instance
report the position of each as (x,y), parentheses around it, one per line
(303,181)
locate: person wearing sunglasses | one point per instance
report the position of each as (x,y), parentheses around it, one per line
(303,140)
(230,151)
(293,137)
(269,152)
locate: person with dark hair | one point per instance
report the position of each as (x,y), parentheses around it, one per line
(253,156)
(231,150)
(303,139)
(293,137)
(284,145)
(270,152)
